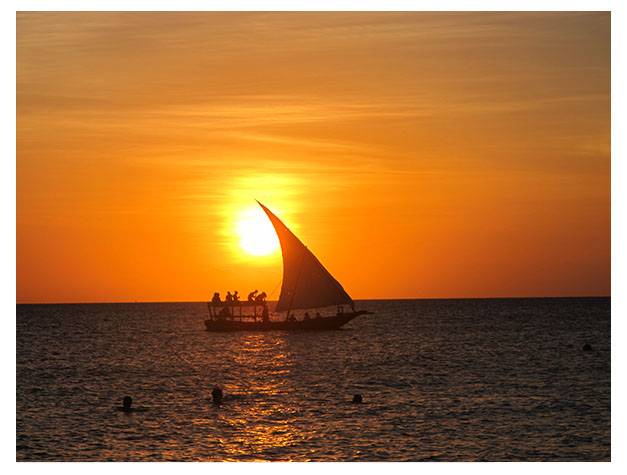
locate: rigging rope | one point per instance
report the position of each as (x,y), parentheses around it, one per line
(277,286)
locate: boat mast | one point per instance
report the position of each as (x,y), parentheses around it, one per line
(300,268)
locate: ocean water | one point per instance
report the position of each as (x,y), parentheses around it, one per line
(441,380)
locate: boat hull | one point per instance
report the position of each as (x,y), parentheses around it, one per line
(315,324)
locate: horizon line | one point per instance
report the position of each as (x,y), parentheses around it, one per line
(370,299)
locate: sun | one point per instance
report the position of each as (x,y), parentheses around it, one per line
(257,236)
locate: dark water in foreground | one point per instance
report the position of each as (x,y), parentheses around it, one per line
(453,380)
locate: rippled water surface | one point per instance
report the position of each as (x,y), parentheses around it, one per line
(440,379)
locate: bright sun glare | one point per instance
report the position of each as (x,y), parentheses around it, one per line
(257,236)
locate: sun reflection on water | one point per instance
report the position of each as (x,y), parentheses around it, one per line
(259,425)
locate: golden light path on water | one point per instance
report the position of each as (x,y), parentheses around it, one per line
(264,428)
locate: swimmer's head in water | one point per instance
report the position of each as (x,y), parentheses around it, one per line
(126,402)
(357,399)
(216,395)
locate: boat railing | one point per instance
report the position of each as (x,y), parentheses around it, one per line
(233,309)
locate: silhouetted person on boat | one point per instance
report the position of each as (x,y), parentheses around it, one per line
(252,296)
(265,317)
(306,317)
(229,302)
(216,303)
(235,297)
(318,315)
(224,313)
(216,396)
(261,298)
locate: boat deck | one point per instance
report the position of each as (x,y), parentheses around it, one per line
(315,324)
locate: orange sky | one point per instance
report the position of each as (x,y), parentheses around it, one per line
(418,155)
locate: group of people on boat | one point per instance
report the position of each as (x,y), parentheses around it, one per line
(225,310)
(255,299)
(232,300)
(306,317)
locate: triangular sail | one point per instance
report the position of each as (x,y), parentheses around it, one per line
(306,283)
